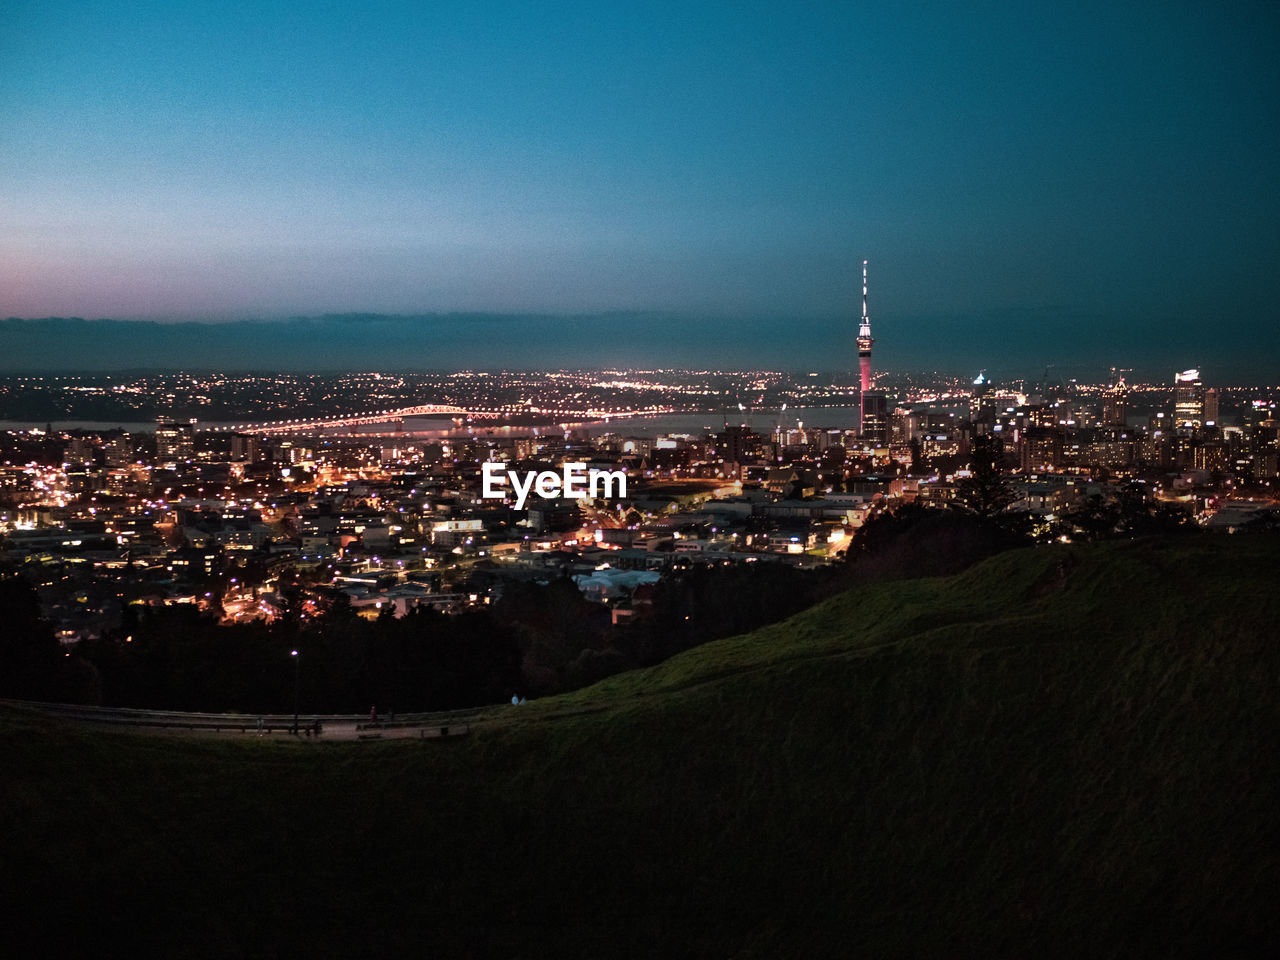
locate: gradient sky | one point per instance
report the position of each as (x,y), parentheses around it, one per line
(1041,176)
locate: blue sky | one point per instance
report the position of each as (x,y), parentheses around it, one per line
(1038,177)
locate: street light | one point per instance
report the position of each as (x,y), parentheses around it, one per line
(296,673)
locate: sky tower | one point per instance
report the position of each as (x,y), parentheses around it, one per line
(873,409)
(864,337)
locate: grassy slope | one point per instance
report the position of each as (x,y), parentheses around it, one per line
(1059,751)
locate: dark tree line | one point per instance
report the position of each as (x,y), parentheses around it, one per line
(709,602)
(535,640)
(177,658)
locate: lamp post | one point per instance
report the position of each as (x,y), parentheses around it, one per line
(296,673)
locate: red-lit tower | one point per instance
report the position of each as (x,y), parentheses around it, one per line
(866,416)
(864,337)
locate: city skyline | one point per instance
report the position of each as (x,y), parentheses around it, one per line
(1032,184)
(449,342)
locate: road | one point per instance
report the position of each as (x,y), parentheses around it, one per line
(415,726)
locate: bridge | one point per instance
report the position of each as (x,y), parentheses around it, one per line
(335,424)
(458,414)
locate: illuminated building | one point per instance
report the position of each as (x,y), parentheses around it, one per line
(875,418)
(244,447)
(196,563)
(1115,405)
(1041,450)
(982,403)
(175,442)
(1211,407)
(1210,456)
(1188,400)
(736,444)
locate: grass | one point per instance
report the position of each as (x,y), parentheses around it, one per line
(1062,751)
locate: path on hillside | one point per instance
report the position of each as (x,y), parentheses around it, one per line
(345,727)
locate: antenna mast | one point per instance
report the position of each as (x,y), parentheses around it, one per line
(864,293)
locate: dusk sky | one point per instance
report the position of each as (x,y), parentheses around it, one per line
(1031,181)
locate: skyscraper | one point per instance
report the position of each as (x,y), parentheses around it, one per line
(1188,401)
(982,401)
(1115,402)
(174,442)
(1211,406)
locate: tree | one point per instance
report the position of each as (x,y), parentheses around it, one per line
(1094,518)
(918,464)
(985,491)
(335,605)
(919,541)
(29,652)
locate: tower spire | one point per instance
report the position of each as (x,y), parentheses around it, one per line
(865,319)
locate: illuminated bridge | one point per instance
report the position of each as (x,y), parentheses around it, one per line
(459,414)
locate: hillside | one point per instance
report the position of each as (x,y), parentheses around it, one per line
(1062,751)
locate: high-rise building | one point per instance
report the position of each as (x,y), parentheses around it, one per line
(119,451)
(175,442)
(244,447)
(1041,449)
(736,444)
(1188,400)
(875,418)
(1211,406)
(983,405)
(79,451)
(1115,403)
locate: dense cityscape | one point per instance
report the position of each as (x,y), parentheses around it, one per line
(387,513)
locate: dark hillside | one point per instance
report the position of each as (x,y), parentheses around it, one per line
(1063,751)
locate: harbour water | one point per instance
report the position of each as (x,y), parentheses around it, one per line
(697,424)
